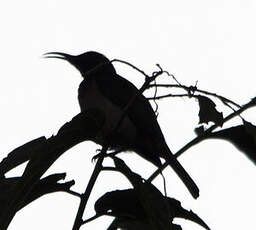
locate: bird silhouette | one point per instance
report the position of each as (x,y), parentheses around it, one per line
(139,130)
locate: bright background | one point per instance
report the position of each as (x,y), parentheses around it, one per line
(212,42)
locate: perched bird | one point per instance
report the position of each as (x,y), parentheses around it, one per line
(139,130)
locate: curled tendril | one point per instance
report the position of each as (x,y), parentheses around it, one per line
(154,100)
(191,90)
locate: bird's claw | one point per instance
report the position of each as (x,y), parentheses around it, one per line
(94,158)
(111,154)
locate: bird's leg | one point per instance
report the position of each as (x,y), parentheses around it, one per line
(95,157)
(111,154)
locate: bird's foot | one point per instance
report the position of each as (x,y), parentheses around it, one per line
(94,158)
(111,154)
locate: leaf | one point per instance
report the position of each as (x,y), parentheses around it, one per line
(45,186)
(155,206)
(123,224)
(157,211)
(121,203)
(242,137)
(84,126)
(48,185)
(208,111)
(131,213)
(129,224)
(179,211)
(21,154)
(150,197)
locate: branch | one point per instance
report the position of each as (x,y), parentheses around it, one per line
(192,89)
(91,219)
(203,136)
(169,95)
(85,196)
(131,65)
(73,193)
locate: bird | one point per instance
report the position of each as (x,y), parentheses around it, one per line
(139,130)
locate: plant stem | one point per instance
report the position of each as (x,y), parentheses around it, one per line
(85,196)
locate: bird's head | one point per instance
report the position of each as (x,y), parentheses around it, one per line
(84,62)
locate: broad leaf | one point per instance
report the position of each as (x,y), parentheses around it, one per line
(45,186)
(131,213)
(241,136)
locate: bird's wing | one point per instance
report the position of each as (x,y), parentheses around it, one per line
(120,92)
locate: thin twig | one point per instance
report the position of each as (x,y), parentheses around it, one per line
(85,196)
(131,65)
(167,96)
(223,100)
(74,193)
(91,218)
(195,89)
(154,100)
(147,82)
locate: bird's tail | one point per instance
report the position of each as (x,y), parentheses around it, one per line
(181,172)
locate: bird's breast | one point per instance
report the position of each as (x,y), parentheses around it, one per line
(89,97)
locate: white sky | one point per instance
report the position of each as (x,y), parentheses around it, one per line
(209,41)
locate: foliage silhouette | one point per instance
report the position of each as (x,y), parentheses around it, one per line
(141,207)
(46,151)
(241,136)
(44,186)
(144,206)
(128,209)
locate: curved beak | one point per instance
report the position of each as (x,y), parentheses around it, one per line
(58,55)
(67,57)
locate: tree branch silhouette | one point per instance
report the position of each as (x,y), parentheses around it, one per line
(192,89)
(41,153)
(85,196)
(80,128)
(202,137)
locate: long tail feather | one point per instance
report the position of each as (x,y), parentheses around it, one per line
(181,172)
